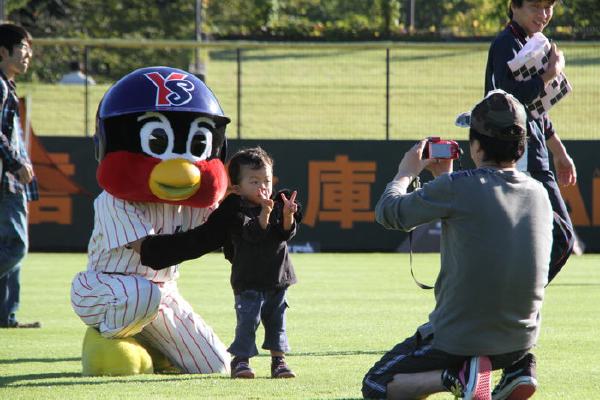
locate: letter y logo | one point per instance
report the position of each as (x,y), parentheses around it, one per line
(174,90)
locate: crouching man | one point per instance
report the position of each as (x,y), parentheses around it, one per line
(495,252)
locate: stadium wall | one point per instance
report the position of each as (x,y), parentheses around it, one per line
(338,183)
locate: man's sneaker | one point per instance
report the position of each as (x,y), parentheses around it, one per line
(518,382)
(21,325)
(473,381)
(279,368)
(240,368)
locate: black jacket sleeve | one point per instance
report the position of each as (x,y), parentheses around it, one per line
(163,251)
(549,130)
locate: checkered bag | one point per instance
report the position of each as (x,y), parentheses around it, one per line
(532,60)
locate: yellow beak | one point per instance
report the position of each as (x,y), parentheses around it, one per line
(174,180)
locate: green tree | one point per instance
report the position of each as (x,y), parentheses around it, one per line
(134,19)
(285,19)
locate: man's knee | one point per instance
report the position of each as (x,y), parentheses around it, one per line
(12,252)
(562,246)
(373,388)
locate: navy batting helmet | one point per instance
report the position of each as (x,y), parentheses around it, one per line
(157,89)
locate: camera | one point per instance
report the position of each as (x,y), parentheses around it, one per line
(438,148)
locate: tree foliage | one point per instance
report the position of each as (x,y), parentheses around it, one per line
(265,20)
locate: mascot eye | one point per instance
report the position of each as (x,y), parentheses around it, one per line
(156,135)
(198,144)
(158,141)
(200,139)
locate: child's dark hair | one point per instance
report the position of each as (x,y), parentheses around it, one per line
(498,150)
(254,157)
(519,4)
(11,35)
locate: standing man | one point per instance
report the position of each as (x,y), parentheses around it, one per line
(17,181)
(528,17)
(495,250)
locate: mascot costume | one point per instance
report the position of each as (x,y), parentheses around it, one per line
(160,142)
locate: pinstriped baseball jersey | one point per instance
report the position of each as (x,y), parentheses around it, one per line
(119,222)
(118,305)
(184,337)
(126,305)
(122,298)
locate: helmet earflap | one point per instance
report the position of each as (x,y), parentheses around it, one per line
(99,136)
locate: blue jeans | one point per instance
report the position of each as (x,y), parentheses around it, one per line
(252,307)
(13,248)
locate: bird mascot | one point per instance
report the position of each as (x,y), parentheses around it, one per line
(160,143)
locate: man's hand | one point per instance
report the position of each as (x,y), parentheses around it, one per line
(440,166)
(556,64)
(565,170)
(412,164)
(25,174)
(566,174)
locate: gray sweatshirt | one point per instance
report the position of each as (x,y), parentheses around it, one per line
(495,251)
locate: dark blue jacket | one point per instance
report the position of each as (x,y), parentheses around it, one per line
(13,153)
(498,76)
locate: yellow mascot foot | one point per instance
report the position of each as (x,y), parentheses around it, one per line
(162,365)
(101,356)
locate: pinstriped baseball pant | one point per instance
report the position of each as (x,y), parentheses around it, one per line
(127,305)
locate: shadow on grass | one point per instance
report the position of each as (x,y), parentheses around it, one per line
(332,353)
(39,360)
(575,284)
(9,380)
(20,381)
(28,380)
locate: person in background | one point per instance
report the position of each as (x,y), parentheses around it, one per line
(17,180)
(76,76)
(528,17)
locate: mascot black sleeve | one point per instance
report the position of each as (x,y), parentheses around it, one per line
(162,251)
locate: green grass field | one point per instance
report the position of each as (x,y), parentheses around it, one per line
(345,312)
(339,93)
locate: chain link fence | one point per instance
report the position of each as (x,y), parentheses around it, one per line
(314,91)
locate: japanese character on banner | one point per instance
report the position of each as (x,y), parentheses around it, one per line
(340,191)
(532,60)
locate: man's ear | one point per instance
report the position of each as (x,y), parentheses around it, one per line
(235,189)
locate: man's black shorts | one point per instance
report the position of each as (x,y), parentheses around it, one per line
(415,354)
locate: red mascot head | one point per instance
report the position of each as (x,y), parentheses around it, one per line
(160,137)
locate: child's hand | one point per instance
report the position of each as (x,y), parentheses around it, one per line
(289,208)
(289,205)
(265,212)
(267,205)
